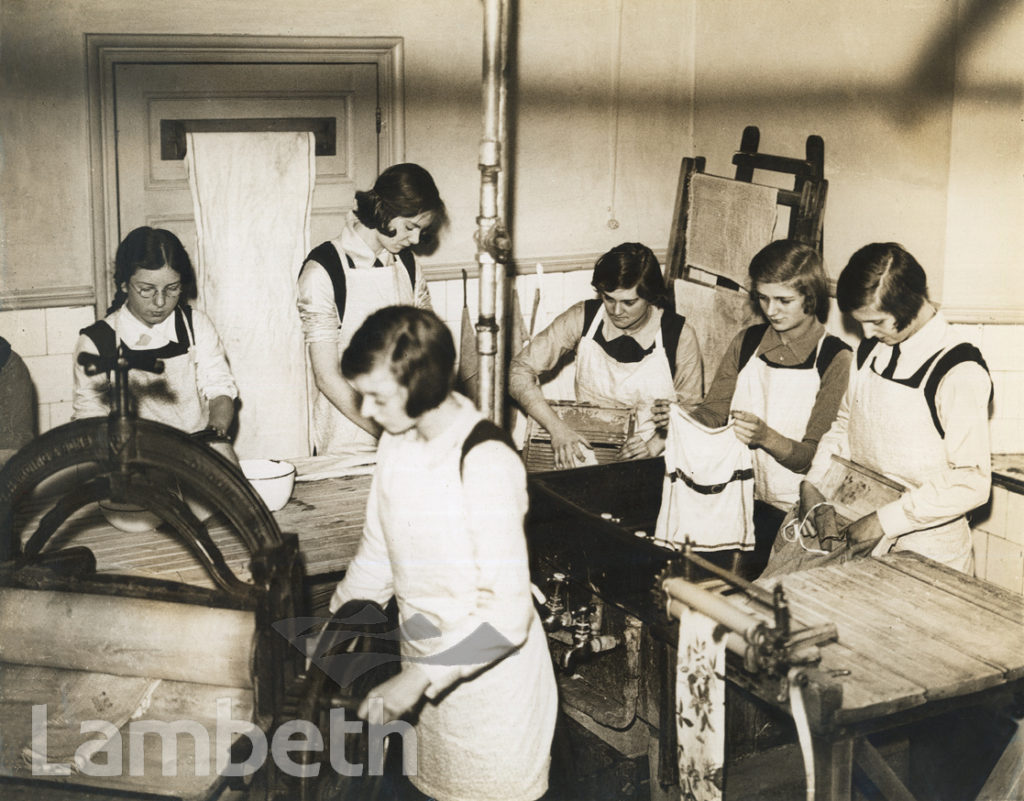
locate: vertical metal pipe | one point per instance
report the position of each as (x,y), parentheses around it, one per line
(501,317)
(490,236)
(504,285)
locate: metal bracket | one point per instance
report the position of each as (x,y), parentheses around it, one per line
(172,132)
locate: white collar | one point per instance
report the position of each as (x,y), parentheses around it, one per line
(139,336)
(924,342)
(352,244)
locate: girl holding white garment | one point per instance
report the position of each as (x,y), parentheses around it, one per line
(368,266)
(779,382)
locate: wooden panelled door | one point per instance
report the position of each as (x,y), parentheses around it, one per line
(155,192)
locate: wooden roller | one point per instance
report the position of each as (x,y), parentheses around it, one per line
(127,636)
(741,624)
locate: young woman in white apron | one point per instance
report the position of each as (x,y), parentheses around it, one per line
(150,318)
(369,266)
(779,384)
(630,349)
(444,536)
(916,410)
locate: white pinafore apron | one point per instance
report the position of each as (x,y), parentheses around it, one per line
(172,397)
(366,291)
(891,431)
(603,381)
(707,496)
(784,398)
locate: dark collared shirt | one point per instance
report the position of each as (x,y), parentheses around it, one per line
(714,410)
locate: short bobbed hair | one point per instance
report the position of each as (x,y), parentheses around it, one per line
(148,248)
(787,261)
(402,190)
(415,345)
(885,275)
(631,265)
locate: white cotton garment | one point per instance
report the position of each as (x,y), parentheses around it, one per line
(707,499)
(784,398)
(448,543)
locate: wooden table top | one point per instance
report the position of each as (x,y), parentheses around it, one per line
(327,515)
(910,632)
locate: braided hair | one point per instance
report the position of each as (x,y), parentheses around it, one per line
(148,248)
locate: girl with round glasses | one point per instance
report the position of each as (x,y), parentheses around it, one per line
(151,318)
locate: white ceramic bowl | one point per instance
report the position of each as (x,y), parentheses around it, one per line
(129,518)
(273,480)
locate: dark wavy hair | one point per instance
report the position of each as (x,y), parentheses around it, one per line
(883,274)
(631,265)
(148,248)
(788,261)
(416,346)
(402,190)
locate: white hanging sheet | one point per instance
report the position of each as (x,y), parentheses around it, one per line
(252,194)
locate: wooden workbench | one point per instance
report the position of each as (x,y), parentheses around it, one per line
(327,515)
(915,639)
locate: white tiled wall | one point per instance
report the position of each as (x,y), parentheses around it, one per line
(45,340)
(999,540)
(1001,347)
(558,291)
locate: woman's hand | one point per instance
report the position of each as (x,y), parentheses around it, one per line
(399,694)
(222,414)
(866,533)
(568,445)
(323,357)
(637,448)
(750,429)
(659,413)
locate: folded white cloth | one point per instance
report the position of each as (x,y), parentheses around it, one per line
(314,468)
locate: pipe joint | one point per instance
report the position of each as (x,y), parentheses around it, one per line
(490,155)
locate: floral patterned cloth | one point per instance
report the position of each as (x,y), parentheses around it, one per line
(700,707)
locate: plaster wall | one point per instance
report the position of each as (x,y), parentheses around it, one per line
(601,125)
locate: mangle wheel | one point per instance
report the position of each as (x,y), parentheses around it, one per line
(137,462)
(149,464)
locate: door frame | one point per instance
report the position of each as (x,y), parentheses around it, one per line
(106,51)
